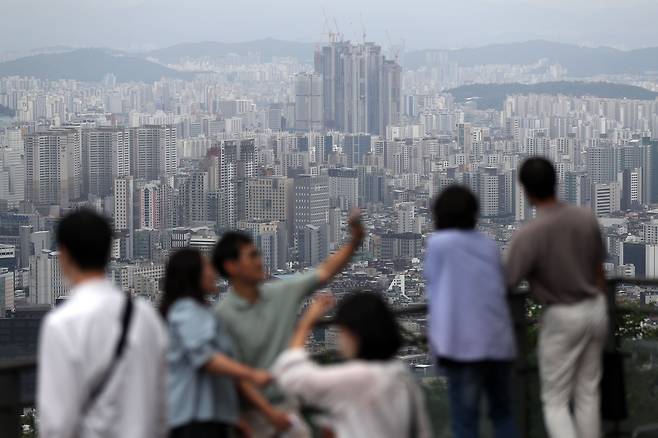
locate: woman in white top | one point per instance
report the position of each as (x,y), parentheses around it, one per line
(371,394)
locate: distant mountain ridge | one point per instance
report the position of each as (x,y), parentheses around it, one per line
(92,63)
(579,61)
(493,95)
(268,49)
(89,65)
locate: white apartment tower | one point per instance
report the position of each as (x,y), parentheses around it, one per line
(124,215)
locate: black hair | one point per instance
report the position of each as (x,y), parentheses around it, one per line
(537,175)
(455,207)
(183,278)
(87,238)
(369,318)
(228,248)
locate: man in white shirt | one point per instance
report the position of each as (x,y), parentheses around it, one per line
(86,388)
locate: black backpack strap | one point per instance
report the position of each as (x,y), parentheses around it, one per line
(126,318)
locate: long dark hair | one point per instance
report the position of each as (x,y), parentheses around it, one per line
(369,318)
(183,278)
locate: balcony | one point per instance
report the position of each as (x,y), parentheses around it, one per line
(629,408)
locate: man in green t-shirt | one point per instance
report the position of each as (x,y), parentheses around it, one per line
(261,315)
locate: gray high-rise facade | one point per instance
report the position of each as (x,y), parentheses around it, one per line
(361,89)
(308,102)
(237,163)
(105,157)
(52,167)
(153,151)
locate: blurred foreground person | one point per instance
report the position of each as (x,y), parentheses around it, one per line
(470,327)
(372,394)
(260,316)
(561,253)
(102,353)
(202,396)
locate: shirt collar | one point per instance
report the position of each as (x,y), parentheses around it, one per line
(96,285)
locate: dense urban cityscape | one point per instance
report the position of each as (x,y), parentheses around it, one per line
(285,147)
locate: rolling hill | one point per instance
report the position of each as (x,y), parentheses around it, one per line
(268,48)
(579,61)
(493,95)
(89,65)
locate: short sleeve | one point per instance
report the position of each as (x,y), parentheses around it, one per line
(195,326)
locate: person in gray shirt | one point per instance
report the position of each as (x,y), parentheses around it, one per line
(561,255)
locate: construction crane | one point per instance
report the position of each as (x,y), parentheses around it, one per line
(338,34)
(333,36)
(395,49)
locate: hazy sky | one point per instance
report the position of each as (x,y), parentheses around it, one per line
(421,23)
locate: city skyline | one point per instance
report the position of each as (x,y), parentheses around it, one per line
(282,142)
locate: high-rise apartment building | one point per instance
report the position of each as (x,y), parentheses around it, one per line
(148,202)
(311,200)
(406,218)
(313,244)
(153,151)
(361,88)
(344,188)
(124,215)
(105,157)
(193,199)
(53,167)
(46,282)
(606,198)
(492,192)
(355,148)
(308,102)
(237,163)
(631,188)
(12,176)
(601,164)
(311,209)
(270,198)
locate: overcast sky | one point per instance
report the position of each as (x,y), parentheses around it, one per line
(135,24)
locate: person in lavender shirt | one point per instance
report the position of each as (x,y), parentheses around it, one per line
(470,328)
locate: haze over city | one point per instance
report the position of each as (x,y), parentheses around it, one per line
(423,24)
(472,184)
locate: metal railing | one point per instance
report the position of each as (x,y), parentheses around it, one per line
(17,391)
(17,378)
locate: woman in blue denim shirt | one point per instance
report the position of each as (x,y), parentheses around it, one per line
(201,392)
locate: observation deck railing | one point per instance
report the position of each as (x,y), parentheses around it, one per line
(630,390)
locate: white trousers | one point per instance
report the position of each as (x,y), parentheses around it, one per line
(571,342)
